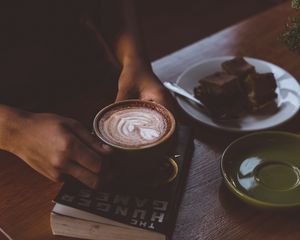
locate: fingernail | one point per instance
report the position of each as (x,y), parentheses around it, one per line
(106,148)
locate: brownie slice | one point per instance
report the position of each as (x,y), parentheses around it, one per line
(220,83)
(221,93)
(239,67)
(260,89)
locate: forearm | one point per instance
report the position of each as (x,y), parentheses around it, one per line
(129,47)
(123,34)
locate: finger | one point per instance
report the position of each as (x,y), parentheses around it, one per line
(122,95)
(126,91)
(90,140)
(160,96)
(86,157)
(83,175)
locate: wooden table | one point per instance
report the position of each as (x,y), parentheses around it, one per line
(208,209)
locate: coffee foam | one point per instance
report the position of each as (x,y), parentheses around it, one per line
(133,126)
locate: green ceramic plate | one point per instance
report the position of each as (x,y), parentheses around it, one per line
(263,169)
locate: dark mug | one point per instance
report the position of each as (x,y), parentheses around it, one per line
(140,132)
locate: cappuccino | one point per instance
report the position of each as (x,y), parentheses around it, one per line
(133,126)
(140,132)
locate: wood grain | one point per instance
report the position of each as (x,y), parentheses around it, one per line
(208,209)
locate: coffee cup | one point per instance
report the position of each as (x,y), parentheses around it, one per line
(140,132)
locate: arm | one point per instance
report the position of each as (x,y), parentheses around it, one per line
(128,44)
(120,30)
(137,78)
(52,145)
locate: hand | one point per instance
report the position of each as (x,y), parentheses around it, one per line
(141,83)
(55,146)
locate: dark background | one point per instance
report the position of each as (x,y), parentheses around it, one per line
(169,25)
(44,55)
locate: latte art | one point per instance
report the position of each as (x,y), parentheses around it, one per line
(133,127)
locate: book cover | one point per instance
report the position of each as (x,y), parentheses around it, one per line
(149,203)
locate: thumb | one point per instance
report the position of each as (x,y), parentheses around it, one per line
(126,93)
(121,95)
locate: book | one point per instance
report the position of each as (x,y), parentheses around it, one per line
(145,209)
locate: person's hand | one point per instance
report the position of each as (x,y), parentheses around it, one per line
(141,83)
(54,146)
(137,79)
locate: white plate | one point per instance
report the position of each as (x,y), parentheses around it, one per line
(288,100)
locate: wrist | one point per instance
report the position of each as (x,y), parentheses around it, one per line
(135,74)
(136,63)
(10,123)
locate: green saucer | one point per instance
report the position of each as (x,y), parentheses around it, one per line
(263,169)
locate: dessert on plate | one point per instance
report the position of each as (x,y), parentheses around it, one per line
(260,89)
(236,90)
(220,92)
